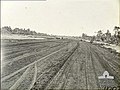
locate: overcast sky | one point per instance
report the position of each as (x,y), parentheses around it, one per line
(61,17)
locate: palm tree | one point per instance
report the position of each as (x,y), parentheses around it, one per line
(117,35)
(99,35)
(108,36)
(116,29)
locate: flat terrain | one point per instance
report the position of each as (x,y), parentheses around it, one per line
(56,64)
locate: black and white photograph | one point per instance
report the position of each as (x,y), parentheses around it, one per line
(60,44)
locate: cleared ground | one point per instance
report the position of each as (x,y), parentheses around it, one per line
(56,64)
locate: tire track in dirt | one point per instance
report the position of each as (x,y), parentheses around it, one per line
(17,83)
(34,75)
(15,49)
(46,78)
(31,48)
(82,60)
(25,61)
(26,54)
(108,55)
(100,70)
(106,64)
(26,79)
(95,71)
(34,78)
(23,78)
(91,79)
(108,67)
(80,70)
(30,42)
(21,48)
(10,75)
(6,84)
(68,77)
(74,73)
(99,59)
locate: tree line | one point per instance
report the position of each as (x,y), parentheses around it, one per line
(106,37)
(9,30)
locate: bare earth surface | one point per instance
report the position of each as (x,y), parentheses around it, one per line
(56,64)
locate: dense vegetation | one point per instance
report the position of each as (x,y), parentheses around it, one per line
(8,30)
(105,37)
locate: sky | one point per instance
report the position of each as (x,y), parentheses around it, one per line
(61,17)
